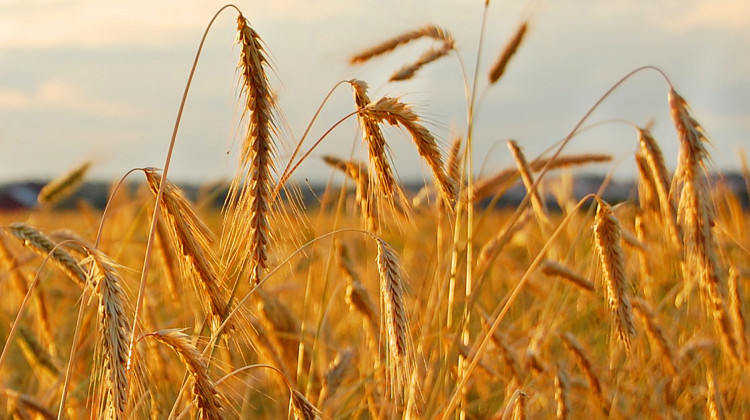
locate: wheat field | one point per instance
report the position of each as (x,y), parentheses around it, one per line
(373,301)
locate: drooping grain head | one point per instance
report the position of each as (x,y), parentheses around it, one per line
(612,261)
(382,180)
(191,238)
(394,112)
(206,397)
(393,309)
(654,159)
(43,245)
(695,215)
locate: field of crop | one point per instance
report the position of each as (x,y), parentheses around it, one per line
(373,303)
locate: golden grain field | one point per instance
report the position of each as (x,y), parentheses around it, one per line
(373,302)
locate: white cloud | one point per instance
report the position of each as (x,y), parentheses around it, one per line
(63,96)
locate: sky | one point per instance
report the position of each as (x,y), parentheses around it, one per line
(102,80)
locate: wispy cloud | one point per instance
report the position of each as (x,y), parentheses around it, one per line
(62,96)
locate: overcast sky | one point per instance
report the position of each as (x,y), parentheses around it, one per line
(101,80)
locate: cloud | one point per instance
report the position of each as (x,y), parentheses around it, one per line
(65,96)
(722,15)
(88,23)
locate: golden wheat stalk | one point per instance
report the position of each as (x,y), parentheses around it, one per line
(191,237)
(395,316)
(384,47)
(394,112)
(429,56)
(695,215)
(63,186)
(497,69)
(43,246)
(612,260)
(249,202)
(206,397)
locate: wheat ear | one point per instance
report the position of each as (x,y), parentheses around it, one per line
(497,69)
(612,260)
(276,317)
(695,215)
(335,375)
(18,279)
(63,186)
(394,112)
(528,182)
(384,47)
(29,403)
(249,202)
(114,336)
(395,316)
(429,56)
(37,356)
(192,238)
(303,409)
(381,176)
(43,245)
(206,396)
(655,159)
